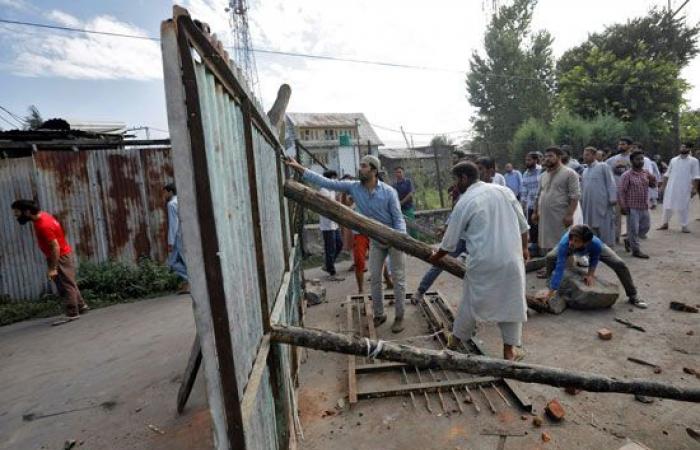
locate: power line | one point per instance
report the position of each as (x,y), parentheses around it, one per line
(417,134)
(14,116)
(321,57)
(78,30)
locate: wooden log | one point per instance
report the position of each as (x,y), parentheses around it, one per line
(188,379)
(480,365)
(343,215)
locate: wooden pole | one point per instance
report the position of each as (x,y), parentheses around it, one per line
(474,364)
(343,215)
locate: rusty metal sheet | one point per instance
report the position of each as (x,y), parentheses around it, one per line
(22,265)
(109,202)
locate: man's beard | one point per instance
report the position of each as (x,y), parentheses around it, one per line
(23,220)
(685,152)
(363,177)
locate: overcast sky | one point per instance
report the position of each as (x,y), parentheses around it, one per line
(108,78)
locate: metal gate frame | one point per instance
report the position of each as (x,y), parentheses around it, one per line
(239,418)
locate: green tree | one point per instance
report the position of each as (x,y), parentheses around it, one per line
(605,131)
(533,135)
(571,130)
(690,127)
(631,71)
(514,81)
(33,120)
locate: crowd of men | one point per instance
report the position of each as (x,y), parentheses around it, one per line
(557,208)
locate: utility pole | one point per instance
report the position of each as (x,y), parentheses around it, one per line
(439,176)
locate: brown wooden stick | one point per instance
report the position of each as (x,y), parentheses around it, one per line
(427,358)
(343,215)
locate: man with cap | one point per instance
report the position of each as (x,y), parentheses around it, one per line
(379,201)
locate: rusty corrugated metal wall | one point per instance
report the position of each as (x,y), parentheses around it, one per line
(110,203)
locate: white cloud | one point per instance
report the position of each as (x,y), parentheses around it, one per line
(84,56)
(63,18)
(15,4)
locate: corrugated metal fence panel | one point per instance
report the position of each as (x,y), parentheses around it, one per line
(157,168)
(110,203)
(225,146)
(22,265)
(269,201)
(64,192)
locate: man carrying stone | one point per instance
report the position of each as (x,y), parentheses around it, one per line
(379,201)
(599,197)
(581,241)
(679,185)
(634,202)
(489,220)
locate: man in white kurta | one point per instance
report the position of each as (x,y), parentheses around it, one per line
(678,187)
(490,221)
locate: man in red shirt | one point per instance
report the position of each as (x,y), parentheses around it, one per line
(633,196)
(59,255)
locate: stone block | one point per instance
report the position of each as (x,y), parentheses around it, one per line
(601,294)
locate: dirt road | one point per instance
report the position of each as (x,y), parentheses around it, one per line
(102,380)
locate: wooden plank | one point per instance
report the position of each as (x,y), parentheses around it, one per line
(369,313)
(248,403)
(352,377)
(425,387)
(188,379)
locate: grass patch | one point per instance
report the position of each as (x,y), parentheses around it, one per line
(101,284)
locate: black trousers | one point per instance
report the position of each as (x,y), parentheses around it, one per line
(332,246)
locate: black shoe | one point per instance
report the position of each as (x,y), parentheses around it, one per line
(627,245)
(639,254)
(378,320)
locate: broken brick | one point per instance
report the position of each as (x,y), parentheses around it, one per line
(537,421)
(523,417)
(572,390)
(546,437)
(690,333)
(555,410)
(605,334)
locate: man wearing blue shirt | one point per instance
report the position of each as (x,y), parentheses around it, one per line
(514,180)
(379,201)
(580,241)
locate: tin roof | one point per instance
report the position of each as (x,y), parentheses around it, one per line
(320,120)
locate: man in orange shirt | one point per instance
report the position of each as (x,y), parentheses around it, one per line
(59,255)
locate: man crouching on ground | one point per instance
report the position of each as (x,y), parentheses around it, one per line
(59,255)
(490,220)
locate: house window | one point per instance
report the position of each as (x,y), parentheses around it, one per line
(329,135)
(306,134)
(321,157)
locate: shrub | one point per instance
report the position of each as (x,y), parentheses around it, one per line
(531,136)
(568,129)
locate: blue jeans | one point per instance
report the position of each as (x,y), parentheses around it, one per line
(332,246)
(177,263)
(434,272)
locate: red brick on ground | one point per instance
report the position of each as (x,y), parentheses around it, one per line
(605,334)
(555,410)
